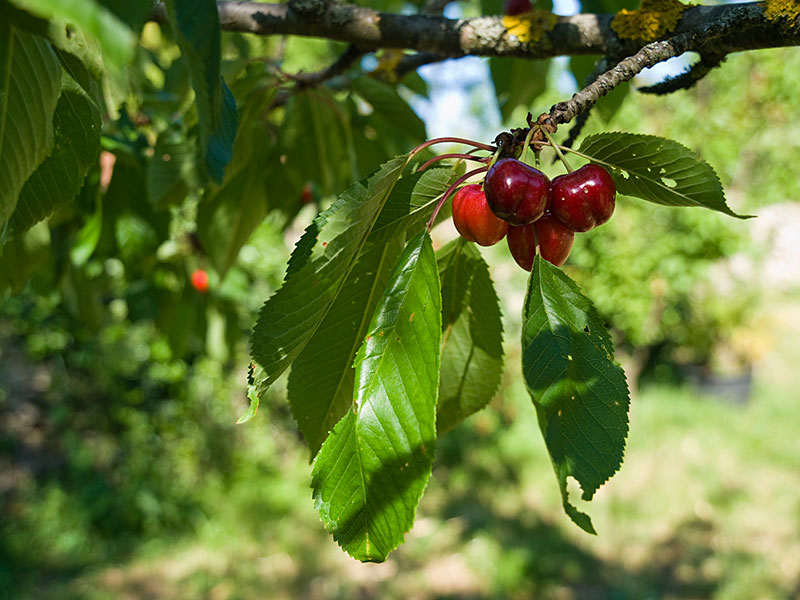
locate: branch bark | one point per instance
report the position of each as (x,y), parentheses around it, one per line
(746,29)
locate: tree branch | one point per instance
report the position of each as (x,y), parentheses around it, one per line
(685,80)
(709,35)
(747,29)
(626,69)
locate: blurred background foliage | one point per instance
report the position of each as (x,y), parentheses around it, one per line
(123,475)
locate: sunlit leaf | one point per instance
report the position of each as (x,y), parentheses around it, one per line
(320,264)
(658,170)
(374,466)
(321,381)
(116,38)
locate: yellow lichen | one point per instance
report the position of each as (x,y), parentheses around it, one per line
(653,20)
(387,65)
(529,27)
(788,10)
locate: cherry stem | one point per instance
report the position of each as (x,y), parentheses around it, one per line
(452,140)
(527,143)
(495,156)
(557,149)
(454,155)
(449,191)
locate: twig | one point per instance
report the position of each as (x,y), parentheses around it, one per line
(627,69)
(685,80)
(600,67)
(346,60)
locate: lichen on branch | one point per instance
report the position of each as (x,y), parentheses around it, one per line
(530,27)
(654,20)
(783,10)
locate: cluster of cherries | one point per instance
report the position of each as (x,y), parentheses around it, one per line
(537,215)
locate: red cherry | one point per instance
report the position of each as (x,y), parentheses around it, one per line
(473,218)
(584,198)
(516,192)
(517,7)
(555,242)
(199,280)
(307,193)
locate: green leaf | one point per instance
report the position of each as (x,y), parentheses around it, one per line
(314,140)
(30,84)
(472,347)
(518,82)
(23,257)
(373,468)
(412,202)
(253,394)
(198,34)
(658,170)
(59,178)
(319,266)
(387,104)
(580,394)
(170,172)
(132,12)
(322,377)
(226,221)
(117,40)
(87,238)
(321,381)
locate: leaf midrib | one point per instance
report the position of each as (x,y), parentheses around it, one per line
(358,338)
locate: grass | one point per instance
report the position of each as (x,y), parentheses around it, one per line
(705,506)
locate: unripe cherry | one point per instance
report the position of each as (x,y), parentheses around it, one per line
(473,218)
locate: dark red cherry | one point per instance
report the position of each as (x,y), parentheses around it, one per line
(584,198)
(517,7)
(555,242)
(516,192)
(473,218)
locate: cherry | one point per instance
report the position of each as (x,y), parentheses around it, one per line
(555,242)
(516,192)
(307,193)
(584,198)
(199,280)
(517,7)
(474,219)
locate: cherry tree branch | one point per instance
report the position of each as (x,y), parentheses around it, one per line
(706,37)
(712,31)
(746,24)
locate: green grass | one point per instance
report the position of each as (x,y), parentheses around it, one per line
(705,506)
